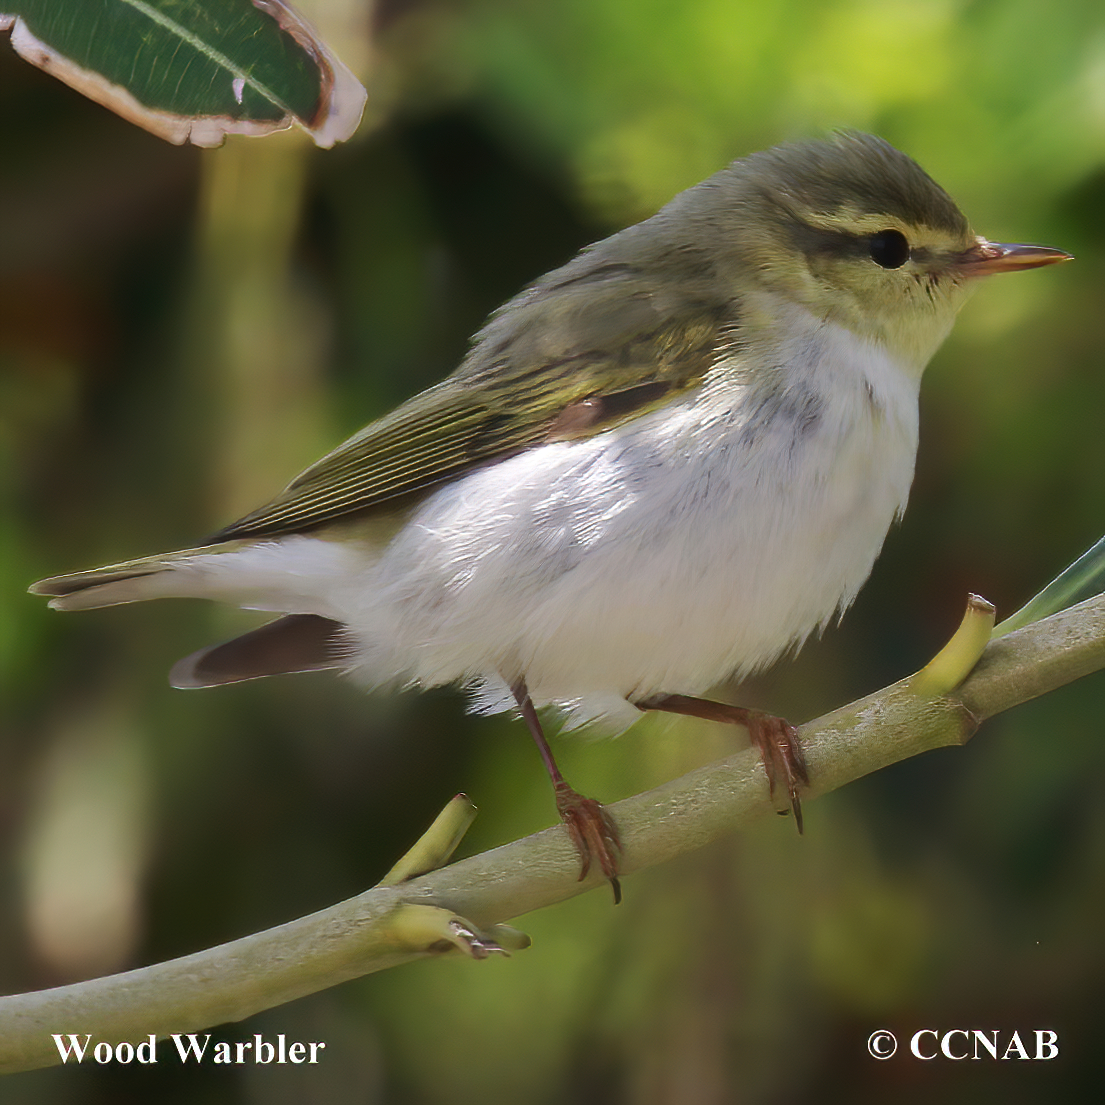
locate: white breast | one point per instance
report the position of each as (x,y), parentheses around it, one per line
(660,556)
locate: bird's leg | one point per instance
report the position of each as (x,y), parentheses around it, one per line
(591,828)
(776,738)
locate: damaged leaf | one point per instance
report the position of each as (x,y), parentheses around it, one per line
(192,70)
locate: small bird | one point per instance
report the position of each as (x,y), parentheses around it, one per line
(660,466)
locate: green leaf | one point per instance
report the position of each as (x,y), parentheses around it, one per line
(193,70)
(1080,580)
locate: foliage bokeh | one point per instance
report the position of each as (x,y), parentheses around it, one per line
(181,332)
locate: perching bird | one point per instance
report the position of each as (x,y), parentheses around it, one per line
(659,466)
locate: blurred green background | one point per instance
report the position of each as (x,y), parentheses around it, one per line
(180,332)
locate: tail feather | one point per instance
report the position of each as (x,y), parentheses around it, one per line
(132,581)
(294,643)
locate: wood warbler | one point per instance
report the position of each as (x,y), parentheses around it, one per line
(661,465)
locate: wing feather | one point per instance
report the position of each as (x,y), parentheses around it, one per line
(569,357)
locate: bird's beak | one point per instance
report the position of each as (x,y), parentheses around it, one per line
(984,258)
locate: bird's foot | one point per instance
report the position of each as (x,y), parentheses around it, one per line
(591,828)
(593,832)
(782,756)
(776,738)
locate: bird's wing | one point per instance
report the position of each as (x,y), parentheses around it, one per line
(568,358)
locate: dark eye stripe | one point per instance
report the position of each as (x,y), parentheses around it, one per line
(891,245)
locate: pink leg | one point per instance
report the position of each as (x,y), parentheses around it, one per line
(591,828)
(776,739)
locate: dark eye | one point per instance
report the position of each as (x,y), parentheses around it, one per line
(889,248)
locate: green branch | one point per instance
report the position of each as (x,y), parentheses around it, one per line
(461,905)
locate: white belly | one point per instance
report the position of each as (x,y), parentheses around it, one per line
(658,557)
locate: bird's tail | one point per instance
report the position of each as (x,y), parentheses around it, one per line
(295,642)
(150,577)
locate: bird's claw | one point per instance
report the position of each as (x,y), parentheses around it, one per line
(782,756)
(593,832)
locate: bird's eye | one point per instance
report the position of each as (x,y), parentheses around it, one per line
(889,249)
